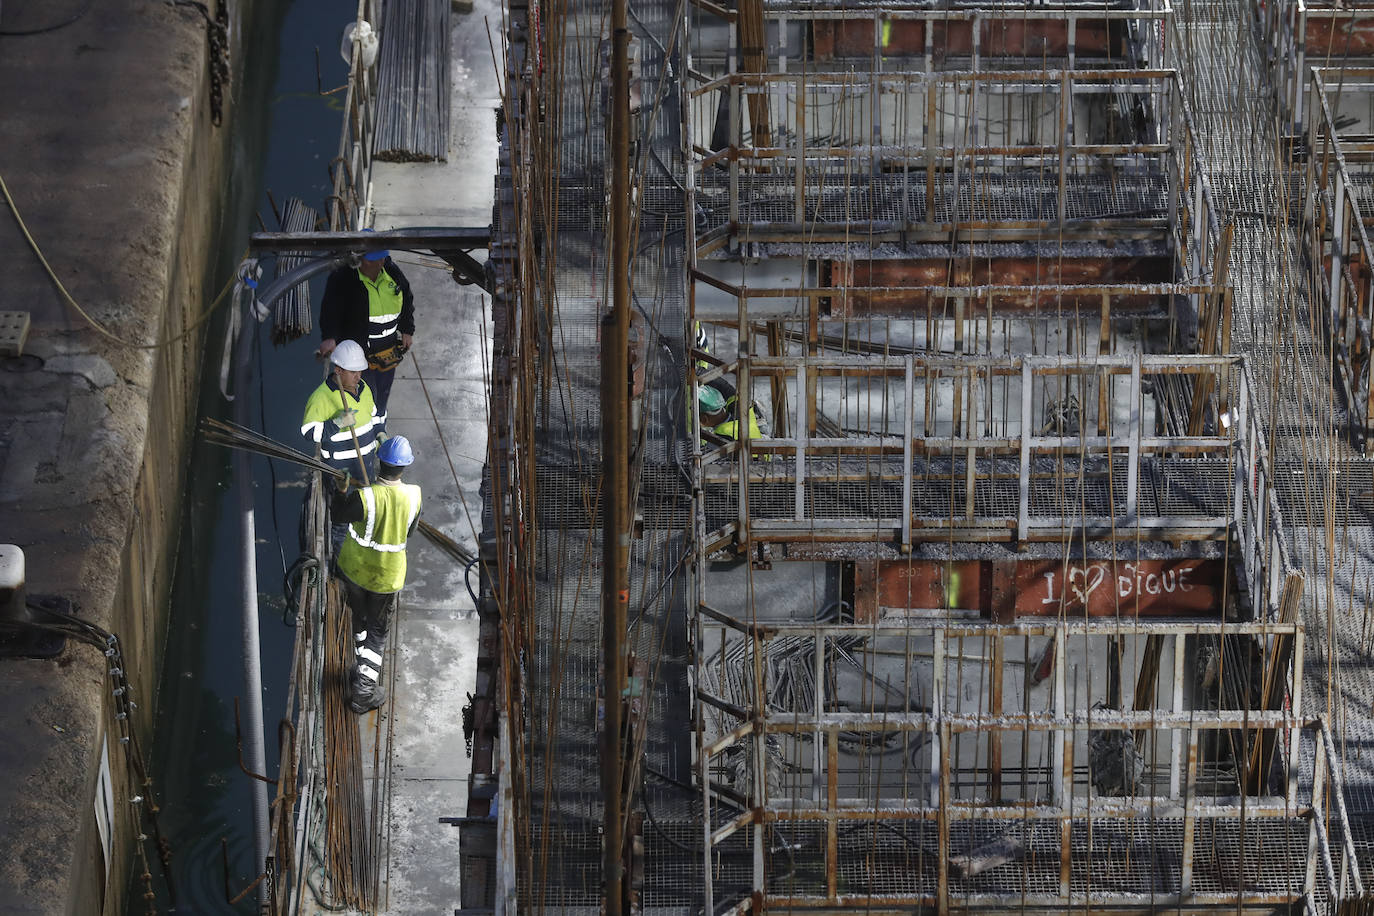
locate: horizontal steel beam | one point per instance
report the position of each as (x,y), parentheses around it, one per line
(1071,628)
(795,722)
(436,239)
(1142,806)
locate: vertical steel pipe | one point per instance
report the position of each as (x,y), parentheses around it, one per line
(254,741)
(615,464)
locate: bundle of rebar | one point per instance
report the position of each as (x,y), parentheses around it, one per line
(413,82)
(291,312)
(232,435)
(349,847)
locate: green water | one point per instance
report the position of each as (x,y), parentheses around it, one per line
(284,136)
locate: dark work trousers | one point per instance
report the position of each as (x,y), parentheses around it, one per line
(380,383)
(371,610)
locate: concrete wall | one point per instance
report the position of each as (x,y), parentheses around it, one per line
(113,161)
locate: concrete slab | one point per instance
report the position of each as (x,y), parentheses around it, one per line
(439,401)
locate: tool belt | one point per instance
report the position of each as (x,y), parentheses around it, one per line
(387,358)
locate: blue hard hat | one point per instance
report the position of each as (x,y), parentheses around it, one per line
(375,255)
(396,452)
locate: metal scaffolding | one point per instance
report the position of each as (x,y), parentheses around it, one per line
(820,793)
(982,315)
(1339,173)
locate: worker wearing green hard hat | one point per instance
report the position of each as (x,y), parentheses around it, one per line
(718,415)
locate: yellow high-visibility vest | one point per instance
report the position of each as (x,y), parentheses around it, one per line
(374,554)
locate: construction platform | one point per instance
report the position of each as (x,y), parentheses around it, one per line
(1042,582)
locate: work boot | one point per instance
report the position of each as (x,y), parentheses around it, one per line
(365,691)
(364,694)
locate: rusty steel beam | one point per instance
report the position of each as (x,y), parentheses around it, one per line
(1074,628)
(1339,32)
(1088,81)
(973,292)
(1042,283)
(1007,589)
(1014,35)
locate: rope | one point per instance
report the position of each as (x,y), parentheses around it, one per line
(96,325)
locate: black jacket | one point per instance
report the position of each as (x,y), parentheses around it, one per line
(343,313)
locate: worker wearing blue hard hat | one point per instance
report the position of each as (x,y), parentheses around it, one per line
(372,563)
(371,304)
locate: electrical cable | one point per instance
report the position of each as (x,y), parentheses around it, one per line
(200,319)
(302,565)
(476,602)
(47,29)
(653,821)
(271,465)
(108,643)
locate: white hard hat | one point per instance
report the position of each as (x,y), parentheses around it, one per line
(348,355)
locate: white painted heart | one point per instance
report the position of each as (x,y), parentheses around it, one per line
(1083,581)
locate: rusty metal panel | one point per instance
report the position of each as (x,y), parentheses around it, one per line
(1153,588)
(1047,273)
(865,591)
(1351,34)
(1006,589)
(1035,38)
(933,584)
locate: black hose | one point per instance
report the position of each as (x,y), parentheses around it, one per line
(653,821)
(290,589)
(476,602)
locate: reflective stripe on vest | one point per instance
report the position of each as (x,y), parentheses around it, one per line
(384,300)
(320,426)
(373,557)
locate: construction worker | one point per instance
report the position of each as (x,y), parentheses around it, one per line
(719,414)
(371,305)
(340,415)
(372,563)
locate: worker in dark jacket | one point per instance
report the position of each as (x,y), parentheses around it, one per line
(371,304)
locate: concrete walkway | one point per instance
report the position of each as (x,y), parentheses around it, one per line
(439,402)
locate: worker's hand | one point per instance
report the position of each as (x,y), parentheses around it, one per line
(406,340)
(342,483)
(346,418)
(326,347)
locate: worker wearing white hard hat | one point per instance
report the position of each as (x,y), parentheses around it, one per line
(340,415)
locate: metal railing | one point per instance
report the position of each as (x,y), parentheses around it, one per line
(972,430)
(350,172)
(1299,35)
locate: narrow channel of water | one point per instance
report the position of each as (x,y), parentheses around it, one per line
(285,135)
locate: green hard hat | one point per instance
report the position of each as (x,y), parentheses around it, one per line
(710,399)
